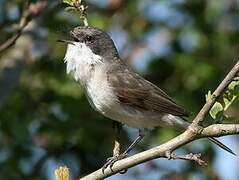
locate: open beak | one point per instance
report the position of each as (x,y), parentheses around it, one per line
(66,41)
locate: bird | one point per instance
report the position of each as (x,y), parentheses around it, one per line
(116,91)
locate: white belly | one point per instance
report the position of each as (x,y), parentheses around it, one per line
(100,93)
(102,98)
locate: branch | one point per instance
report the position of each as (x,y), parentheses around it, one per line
(223,85)
(29,11)
(82,10)
(161,151)
(192,133)
(156,152)
(188,157)
(217,130)
(77,5)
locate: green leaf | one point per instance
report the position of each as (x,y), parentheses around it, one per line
(228,102)
(231,95)
(208,95)
(233,85)
(217,107)
(69,2)
(68,9)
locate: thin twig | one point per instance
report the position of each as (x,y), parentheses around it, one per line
(29,11)
(11,41)
(81,8)
(188,157)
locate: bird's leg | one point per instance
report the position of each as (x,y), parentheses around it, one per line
(117,146)
(110,161)
(134,143)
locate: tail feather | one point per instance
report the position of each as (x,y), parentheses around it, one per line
(221,145)
(181,123)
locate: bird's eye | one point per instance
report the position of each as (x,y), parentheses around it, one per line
(89,38)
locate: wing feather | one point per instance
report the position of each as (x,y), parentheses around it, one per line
(136,92)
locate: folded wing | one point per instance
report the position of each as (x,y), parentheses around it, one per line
(136,92)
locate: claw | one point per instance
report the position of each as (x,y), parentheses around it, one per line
(169,155)
(111,160)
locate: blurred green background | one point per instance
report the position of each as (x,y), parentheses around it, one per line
(185,47)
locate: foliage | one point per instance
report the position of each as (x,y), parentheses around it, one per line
(71,5)
(229,97)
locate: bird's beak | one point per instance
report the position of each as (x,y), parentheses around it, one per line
(65,41)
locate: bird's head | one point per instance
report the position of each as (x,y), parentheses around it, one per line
(88,46)
(98,41)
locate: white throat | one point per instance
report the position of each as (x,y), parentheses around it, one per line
(79,59)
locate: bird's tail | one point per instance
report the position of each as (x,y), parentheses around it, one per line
(183,124)
(221,145)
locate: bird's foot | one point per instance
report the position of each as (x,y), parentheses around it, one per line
(111,160)
(169,155)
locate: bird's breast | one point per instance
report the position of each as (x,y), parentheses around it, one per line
(99,92)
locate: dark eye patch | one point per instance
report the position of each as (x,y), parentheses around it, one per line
(89,38)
